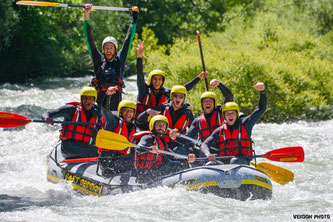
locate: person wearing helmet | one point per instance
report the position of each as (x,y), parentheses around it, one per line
(110,64)
(149,163)
(154,93)
(178,113)
(78,140)
(233,138)
(117,161)
(211,118)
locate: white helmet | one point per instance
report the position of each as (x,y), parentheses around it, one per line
(112,40)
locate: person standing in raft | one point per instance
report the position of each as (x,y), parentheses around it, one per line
(178,113)
(211,118)
(78,140)
(109,66)
(233,138)
(153,93)
(118,161)
(149,163)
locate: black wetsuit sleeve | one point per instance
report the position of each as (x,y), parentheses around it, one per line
(252,119)
(190,85)
(146,141)
(66,111)
(226,92)
(95,54)
(210,142)
(111,121)
(142,87)
(125,49)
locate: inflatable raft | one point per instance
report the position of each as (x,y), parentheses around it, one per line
(240,182)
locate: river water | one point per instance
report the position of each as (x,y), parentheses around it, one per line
(25,195)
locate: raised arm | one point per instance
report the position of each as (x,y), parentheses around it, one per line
(190,85)
(228,96)
(125,49)
(142,91)
(95,54)
(252,119)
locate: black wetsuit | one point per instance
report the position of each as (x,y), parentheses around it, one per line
(248,122)
(111,161)
(109,73)
(72,148)
(143,90)
(175,115)
(193,132)
(169,164)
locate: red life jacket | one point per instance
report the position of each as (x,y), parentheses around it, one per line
(149,101)
(235,143)
(122,130)
(181,124)
(207,128)
(83,133)
(149,160)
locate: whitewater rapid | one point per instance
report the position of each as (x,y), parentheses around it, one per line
(25,195)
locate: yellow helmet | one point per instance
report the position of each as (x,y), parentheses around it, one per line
(153,73)
(230,106)
(208,94)
(178,89)
(157,118)
(126,104)
(89,91)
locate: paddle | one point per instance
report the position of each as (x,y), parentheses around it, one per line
(276,173)
(8,120)
(54,4)
(202,59)
(113,141)
(286,154)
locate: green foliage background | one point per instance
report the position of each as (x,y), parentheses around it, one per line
(286,44)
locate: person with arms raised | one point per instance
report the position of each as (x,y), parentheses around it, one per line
(118,161)
(154,93)
(109,65)
(78,140)
(233,138)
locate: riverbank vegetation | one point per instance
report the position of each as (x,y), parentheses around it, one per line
(285,44)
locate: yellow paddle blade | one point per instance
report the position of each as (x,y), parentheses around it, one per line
(38,3)
(111,141)
(276,173)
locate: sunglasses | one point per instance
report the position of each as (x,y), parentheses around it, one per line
(178,96)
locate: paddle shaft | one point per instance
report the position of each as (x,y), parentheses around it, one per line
(54,4)
(163,151)
(202,58)
(66,122)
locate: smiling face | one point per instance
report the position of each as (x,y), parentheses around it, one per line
(127,114)
(208,105)
(230,117)
(109,50)
(157,81)
(160,127)
(178,100)
(87,102)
